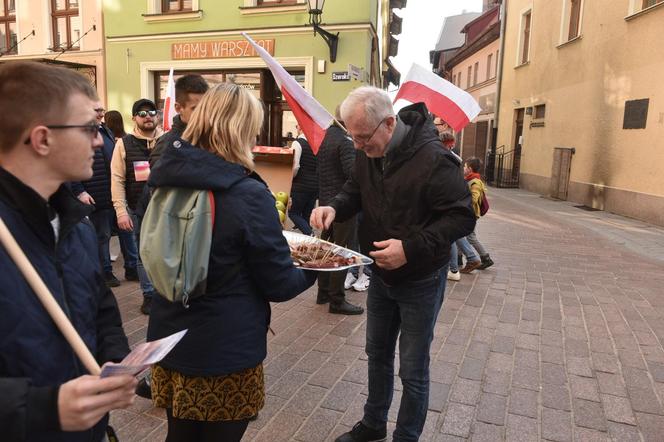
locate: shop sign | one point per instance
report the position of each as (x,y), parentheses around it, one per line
(355,71)
(218,49)
(340,76)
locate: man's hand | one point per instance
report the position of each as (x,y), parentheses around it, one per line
(391,256)
(125,223)
(322,217)
(83,401)
(86,198)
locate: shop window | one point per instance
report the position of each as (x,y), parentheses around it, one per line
(7,27)
(524,43)
(66,24)
(174,6)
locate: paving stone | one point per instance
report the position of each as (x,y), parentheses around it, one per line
(452,353)
(579,366)
(318,426)
(341,395)
(551,354)
(521,429)
(618,409)
(483,432)
(587,435)
(584,388)
(651,426)
(491,409)
(458,420)
(281,428)
(589,414)
(526,378)
(466,391)
(497,382)
(624,433)
(556,425)
(478,350)
(499,362)
(328,375)
(471,369)
(636,378)
(305,401)
(605,363)
(438,394)
(644,400)
(556,397)
(523,402)
(610,383)
(289,384)
(553,374)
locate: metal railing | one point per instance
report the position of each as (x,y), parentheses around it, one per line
(502,168)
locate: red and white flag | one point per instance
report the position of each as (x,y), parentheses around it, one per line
(169,103)
(311,116)
(443,99)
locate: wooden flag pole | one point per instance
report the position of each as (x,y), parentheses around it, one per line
(46,298)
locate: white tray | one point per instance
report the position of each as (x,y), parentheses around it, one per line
(295,238)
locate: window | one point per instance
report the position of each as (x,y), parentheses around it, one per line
(477,68)
(525,38)
(453,78)
(574,19)
(470,74)
(66,24)
(649,3)
(171,6)
(276,2)
(7,27)
(540,111)
(489,63)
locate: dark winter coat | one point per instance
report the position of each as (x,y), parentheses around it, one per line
(35,359)
(167,139)
(416,194)
(306,180)
(228,325)
(336,158)
(99,186)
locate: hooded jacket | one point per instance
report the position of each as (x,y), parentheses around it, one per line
(35,359)
(228,324)
(416,194)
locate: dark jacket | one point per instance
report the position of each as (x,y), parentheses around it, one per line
(35,359)
(306,180)
(416,194)
(99,186)
(167,139)
(336,158)
(228,325)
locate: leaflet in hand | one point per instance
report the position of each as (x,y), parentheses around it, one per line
(143,356)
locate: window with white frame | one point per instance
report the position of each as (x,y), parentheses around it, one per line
(524,38)
(172,6)
(7,27)
(571,20)
(636,6)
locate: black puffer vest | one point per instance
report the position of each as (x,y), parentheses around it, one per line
(99,186)
(135,150)
(306,179)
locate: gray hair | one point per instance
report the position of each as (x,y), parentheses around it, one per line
(377,105)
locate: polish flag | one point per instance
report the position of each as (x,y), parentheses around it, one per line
(169,103)
(443,99)
(311,116)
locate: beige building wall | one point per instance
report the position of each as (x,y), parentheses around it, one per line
(584,84)
(36,15)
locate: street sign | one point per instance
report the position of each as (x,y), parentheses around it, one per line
(340,76)
(355,72)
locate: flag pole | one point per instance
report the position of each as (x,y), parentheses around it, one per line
(47,300)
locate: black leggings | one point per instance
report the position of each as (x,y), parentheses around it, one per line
(184,430)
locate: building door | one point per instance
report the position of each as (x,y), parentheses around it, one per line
(468,148)
(518,139)
(560,171)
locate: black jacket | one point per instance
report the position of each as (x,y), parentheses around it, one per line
(166,139)
(306,180)
(35,359)
(99,186)
(416,194)
(227,325)
(336,157)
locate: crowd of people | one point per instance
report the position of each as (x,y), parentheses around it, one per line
(387,184)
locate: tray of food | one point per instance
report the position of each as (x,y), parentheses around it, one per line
(313,253)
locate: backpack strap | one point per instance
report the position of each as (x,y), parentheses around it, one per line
(212,206)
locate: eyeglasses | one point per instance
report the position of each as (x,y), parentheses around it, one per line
(91,129)
(365,140)
(144,114)
(100,110)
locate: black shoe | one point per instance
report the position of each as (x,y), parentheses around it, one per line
(362,433)
(147,304)
(322,299)
(131,274)
(143,388)
(345,308)
(111,280)
(253,418)
(486,262)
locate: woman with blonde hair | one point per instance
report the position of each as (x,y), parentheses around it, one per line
(211,384)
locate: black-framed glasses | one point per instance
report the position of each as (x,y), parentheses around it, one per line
(143,113)
(91,129)
(365,140)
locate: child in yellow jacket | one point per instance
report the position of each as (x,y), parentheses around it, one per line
(477,189)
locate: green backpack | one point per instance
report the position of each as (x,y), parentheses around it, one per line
(176,237)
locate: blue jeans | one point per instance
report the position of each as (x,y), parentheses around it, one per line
(104,222)
(146,285)
(302,204)
(412,309)
(467,250)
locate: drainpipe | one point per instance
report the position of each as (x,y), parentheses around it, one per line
(499,74)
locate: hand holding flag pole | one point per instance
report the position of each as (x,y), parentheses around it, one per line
(47,300)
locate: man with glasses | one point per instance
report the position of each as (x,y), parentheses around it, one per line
(97,192)
(129,173)
(414,203)
(48,139)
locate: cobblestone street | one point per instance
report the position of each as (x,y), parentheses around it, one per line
(560,340)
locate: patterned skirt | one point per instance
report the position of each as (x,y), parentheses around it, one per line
(235,396)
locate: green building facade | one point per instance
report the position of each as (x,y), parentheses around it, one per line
(146,38)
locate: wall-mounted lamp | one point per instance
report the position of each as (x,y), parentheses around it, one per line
(315,13)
